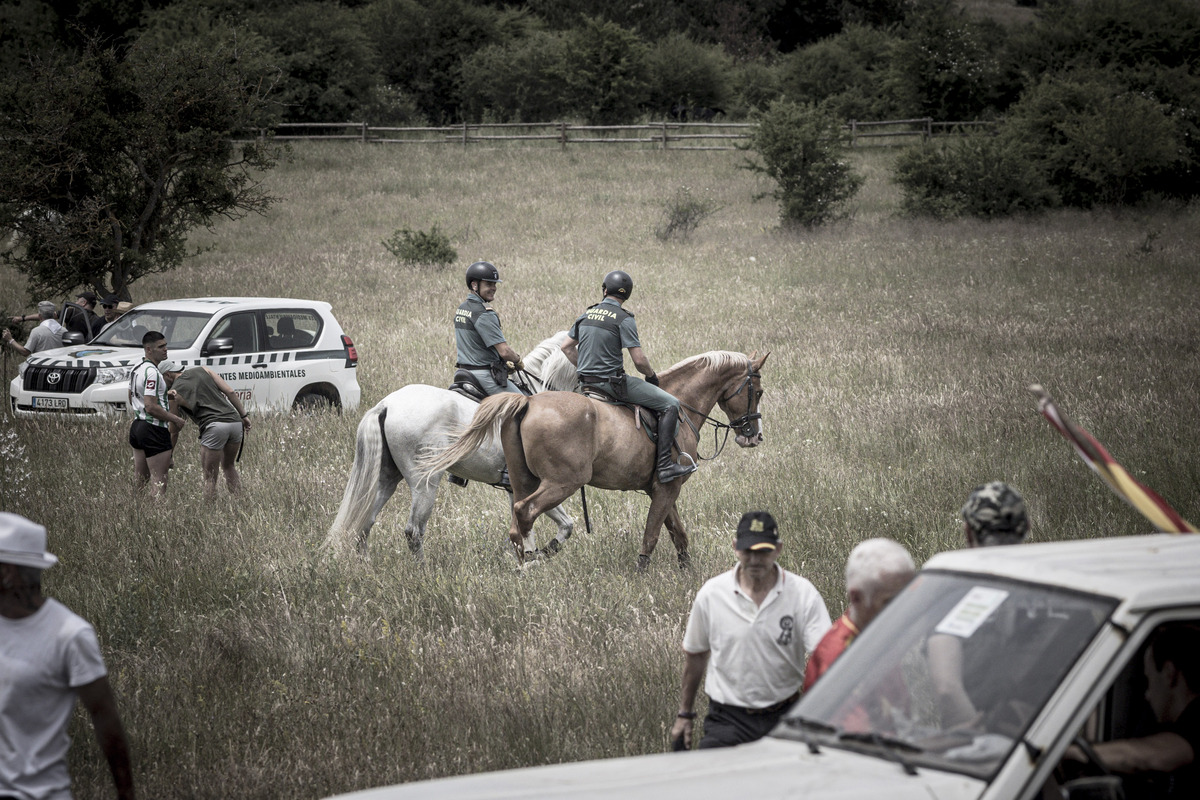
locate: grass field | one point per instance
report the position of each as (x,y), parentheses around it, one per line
(249,666)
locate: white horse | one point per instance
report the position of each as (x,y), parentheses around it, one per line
(419,419)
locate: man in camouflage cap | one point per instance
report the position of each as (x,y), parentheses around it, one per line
(995,514)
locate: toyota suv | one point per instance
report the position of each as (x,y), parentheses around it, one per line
(276,353)
(1052,638)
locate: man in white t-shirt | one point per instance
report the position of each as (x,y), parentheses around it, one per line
(48,657)
(748,636)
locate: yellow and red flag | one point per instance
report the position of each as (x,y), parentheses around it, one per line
(1151,506)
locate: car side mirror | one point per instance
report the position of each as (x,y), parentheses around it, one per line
(1103,787)
(218,347)
(72,338)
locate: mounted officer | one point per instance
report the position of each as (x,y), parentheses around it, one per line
(594,344)
(482,349)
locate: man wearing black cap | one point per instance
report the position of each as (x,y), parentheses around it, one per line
(748,635)
(112,311)
(94,321)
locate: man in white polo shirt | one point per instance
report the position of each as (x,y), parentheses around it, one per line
(748,636)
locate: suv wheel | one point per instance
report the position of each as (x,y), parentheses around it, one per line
(313,400)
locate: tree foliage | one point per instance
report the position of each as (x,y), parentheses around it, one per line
(802,148)
(112,158)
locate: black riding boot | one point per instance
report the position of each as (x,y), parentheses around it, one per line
(668,470)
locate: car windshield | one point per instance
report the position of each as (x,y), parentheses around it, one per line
(180,327)
(951,674)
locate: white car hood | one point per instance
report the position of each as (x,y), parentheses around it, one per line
(84,355)
(766,769)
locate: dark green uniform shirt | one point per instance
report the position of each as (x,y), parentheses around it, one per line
(476,332)
(603,332)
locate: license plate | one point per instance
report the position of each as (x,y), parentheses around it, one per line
(56,403)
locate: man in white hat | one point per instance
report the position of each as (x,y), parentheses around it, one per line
(48,657)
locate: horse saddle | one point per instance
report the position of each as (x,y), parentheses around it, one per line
(467,385)
(643,419)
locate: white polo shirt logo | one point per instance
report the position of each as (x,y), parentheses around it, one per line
(786,624)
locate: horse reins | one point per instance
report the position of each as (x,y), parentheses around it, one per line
(745,425)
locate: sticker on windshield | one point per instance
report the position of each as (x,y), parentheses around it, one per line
(971,612)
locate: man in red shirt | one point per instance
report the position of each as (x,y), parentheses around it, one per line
(875,573)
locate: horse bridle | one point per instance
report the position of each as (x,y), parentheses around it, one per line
(746,425)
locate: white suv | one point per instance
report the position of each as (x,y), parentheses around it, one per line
(276,353)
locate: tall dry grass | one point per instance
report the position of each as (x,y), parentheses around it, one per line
(248,665)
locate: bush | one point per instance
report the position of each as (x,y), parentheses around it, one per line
(845,72)
(1097,141)
(981,175)
(684,73)
(605,73)
(417,248)
(683,214)
(521,80)
(801,148)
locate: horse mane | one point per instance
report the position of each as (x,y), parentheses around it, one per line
(714,359)
(550,365)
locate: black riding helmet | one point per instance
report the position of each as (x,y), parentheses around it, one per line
(617,284)
(482,271)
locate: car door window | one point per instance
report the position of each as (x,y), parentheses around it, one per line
(243,329)
(292,330)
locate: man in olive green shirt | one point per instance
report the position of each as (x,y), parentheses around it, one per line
(217,410)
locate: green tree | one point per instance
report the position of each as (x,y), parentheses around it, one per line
(684,72)
(606,75)
(802,148)
(521,80)
(844,72)
(422,45)
(945,66)
(328,60)
(112,158)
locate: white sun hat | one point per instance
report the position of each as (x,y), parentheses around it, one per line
(23,542)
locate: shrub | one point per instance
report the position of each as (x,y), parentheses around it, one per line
(683,214)
(980,175)
(1097,141)
(605,72)
(682,72)
(845,72)
(416,248)
(519,80)
(802,149)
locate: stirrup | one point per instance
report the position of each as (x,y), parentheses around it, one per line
(504,482)
(675,470)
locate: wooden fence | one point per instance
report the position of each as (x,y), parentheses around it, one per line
(657,135)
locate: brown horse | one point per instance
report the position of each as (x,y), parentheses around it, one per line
(556,442)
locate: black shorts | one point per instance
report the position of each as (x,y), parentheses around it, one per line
(153,439)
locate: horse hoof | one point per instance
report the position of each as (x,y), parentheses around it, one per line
(685,561)
(643,562)
(550,549)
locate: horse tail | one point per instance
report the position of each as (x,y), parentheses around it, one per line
(490,415)
(369,451)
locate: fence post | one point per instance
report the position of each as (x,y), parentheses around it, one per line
(664,144)
(853,132)
(464,141)
(928,128)
(364,132)
(562,135)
